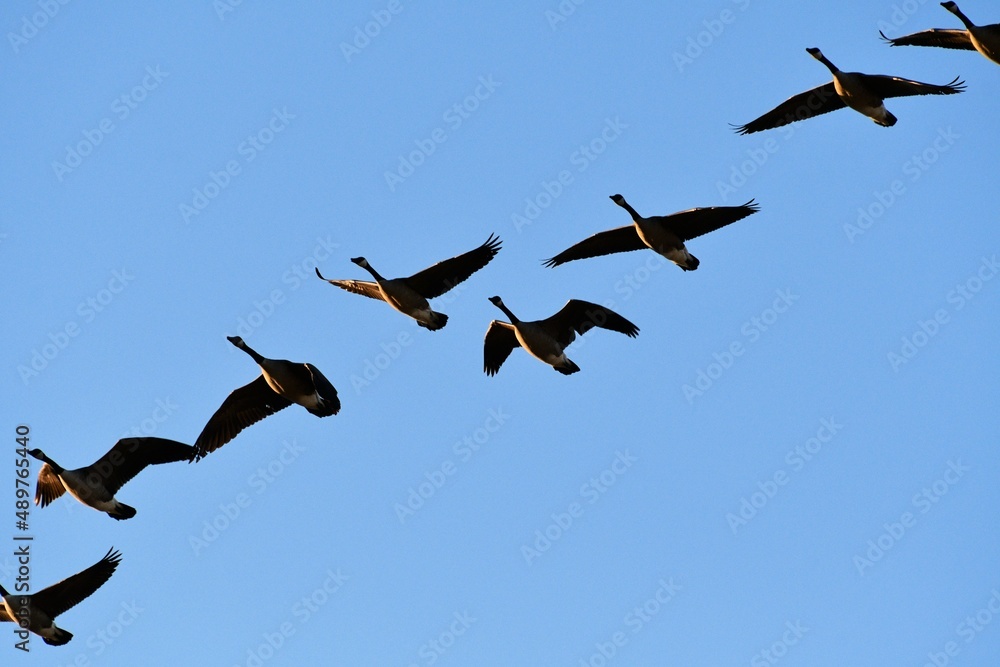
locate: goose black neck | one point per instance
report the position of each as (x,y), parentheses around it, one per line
(506,311)
(249,350)
(628,207)
(41,456)
(826,61)
(962,17)
(375,274)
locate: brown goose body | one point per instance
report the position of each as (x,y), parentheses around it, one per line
(280,384)
(96,485)
(547,339)
(410,295)
(982,38)
(42,608)
(663,234)
(865,93)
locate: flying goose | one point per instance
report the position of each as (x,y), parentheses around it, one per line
(865,93)
(547,339)
(664,234)
(96,485)
(281,383)
(42,608)
(982,38)
(409,295)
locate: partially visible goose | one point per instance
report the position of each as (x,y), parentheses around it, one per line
(42,608)
(547,339)
(280,384)
(982,38)
(96,485)
(664,234)
(865,93)
(409,295)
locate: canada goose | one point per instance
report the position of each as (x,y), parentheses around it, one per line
(409,295)
(280,384)
(42,608)
(96,485)
(865,93)
(547,339)
(982,38)
(664,234)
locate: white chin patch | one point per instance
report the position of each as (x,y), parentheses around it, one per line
(679,256)
(312,401)
(880,114)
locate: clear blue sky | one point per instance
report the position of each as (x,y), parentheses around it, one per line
(755,472)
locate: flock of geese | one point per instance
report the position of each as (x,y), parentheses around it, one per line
(283,382)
